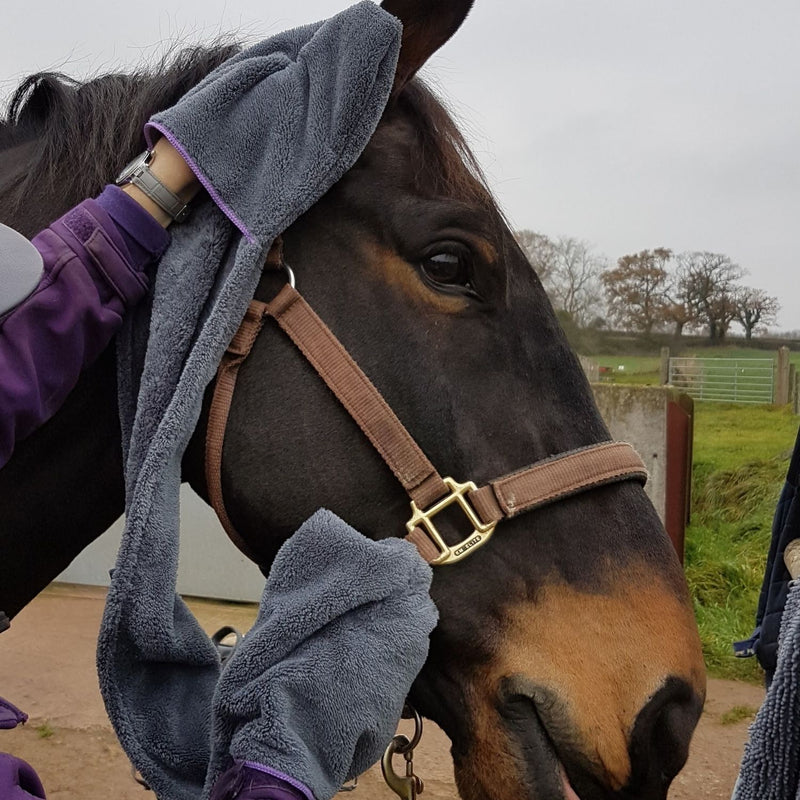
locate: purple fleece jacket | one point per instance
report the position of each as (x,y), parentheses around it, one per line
(95,261)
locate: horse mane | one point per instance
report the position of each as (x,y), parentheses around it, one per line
(446,162)
(94,127)
(74,136)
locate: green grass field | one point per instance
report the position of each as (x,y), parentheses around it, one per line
(741,454)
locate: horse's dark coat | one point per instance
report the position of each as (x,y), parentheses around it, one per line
(485,382)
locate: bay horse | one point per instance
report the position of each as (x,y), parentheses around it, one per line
(566,663)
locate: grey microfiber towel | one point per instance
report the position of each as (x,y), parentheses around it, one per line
(298,110)
(771,765)
(360,613)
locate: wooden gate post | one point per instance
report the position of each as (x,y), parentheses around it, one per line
(781,397)
(664,375)
(796,396)
(680,444)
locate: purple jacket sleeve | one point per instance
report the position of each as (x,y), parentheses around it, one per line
(18,781)
(94,270)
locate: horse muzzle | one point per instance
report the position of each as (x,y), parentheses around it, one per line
(556,760)
(565,712)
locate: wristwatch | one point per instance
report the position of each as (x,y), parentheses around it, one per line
(139,174)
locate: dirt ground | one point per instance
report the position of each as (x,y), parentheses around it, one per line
(47,668)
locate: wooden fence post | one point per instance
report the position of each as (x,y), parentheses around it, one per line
(664,374)
(796,400)
(782,377)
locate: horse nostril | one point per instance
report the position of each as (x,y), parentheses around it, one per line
(659,743)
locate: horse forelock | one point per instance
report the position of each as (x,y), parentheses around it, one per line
(444,157)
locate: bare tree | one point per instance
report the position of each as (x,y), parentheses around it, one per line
(707,282)
(540,252)
(636,289)
(754,307)
(569,271)
(575,286)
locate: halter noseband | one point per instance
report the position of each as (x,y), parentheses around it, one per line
(539,484)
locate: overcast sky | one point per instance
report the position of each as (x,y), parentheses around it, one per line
(627,123)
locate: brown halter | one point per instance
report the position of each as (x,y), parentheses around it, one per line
(541,483)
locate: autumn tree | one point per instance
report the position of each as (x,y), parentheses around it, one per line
(707,282)
(680,310)
(754,307)
(641,292)
(637,289)
(679,313)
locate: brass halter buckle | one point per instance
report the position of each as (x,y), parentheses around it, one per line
(481,531)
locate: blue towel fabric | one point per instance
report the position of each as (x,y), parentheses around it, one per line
(763,642)
(295,113)
(770,767)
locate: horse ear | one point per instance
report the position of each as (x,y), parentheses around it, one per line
(427,25)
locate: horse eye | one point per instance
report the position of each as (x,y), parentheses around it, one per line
(447,270)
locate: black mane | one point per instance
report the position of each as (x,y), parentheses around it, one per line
(93,127)
(62,139)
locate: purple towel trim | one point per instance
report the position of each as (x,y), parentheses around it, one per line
(301,787)
(209,187)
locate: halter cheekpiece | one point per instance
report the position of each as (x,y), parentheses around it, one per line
(533,486)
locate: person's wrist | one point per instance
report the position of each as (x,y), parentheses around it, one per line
(171,170)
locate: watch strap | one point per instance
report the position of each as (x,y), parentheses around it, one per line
(168,201)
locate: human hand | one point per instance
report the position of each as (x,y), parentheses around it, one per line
(278,116)
(316,688)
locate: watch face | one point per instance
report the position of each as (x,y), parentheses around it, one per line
(132,167)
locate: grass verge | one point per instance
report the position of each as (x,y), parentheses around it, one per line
(741,454)
(738,714)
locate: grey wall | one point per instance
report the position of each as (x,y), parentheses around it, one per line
(210,566)
(638,415)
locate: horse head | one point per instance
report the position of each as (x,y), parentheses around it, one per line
(566,658)
(566,662)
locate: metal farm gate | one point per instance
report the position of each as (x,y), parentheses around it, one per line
(726,380)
